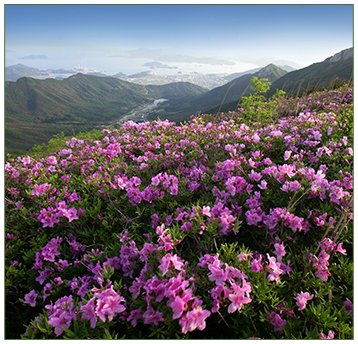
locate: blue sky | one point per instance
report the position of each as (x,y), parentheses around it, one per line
(203,38)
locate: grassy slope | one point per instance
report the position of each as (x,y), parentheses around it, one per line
(180,110)
(38,109)
(314,77)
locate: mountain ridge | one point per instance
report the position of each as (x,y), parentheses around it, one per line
(313,77)
(35,109)
(179,110)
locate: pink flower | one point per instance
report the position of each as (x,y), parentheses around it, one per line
(255,138)
(178,306)
(47,287)
(294,186)
(61,314)
(51,249)
(294,222)
(322,273)
(225,220)
(253,217)
(276,321)
(169,261)
(72,214)
(152,317)
(135,315)
(174,189)
(217,274)
(186,226)
(287,155)
(88,312)
(280,251)
(289,170)
(60,320)
(262,185)
(348,306)
(243,256)
(52,160)
(349,151)
(340,249)
(74,196)
(109,303)
(194,319)
(30,298)
(256,264)
(302,299)
(206,211)
(329,336)
(255,176)
(238,298)
(40,189)
(58,281)
(157,179)
(274,269)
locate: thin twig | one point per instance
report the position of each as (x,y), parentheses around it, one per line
(224,321)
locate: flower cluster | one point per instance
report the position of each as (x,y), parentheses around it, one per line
(155,226)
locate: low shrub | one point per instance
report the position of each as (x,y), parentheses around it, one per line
(226,227)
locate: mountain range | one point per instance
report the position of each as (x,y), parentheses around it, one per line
(178,109)
(210,81)
(35,109)
(333,71)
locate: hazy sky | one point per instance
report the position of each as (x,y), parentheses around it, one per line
(203,38)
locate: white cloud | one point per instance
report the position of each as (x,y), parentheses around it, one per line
(158,55)
(34,57)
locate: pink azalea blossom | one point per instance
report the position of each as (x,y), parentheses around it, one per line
(30,298)
(169,261)
(178,306)
(194,319)
(302,299)
(238,298)
(217,274)
(348,306)
(63,319)
(88,312)
(329,336)
(51,249)
(276,321)
(287,155)
(340,249)
(135,315)
(280,251)
(109,304)
(151,316)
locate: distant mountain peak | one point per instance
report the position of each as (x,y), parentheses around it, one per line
(271,70)
(342,55)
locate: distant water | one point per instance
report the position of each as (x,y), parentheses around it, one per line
(161,100)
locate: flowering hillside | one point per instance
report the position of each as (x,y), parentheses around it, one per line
(232,226)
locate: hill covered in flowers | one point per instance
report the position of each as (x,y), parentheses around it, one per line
(231,226)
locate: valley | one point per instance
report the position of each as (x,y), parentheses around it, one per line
(36,110)
(138,114)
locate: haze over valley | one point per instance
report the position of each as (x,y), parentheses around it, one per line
(37,109)
(64,74)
